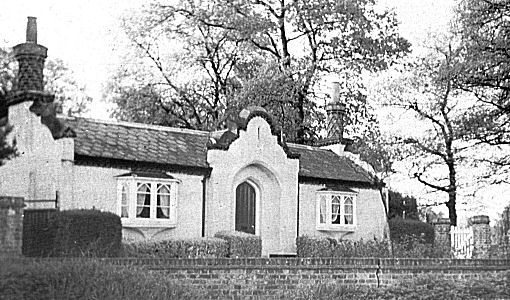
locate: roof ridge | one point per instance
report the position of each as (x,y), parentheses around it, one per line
(308,147)
(139,125)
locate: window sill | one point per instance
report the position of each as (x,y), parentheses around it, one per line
(147,223)
(344,228)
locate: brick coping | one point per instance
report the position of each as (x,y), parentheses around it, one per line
(361,263)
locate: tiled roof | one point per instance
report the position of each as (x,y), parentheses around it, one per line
(164,145)
(138,142)
(325,164)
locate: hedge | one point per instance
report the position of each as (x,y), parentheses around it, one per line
(85,233)
(408,247)
(183,248)
(315,246)
(402,229)
(241,244)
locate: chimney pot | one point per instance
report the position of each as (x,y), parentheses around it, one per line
(336,91)
(32,30)
(336,111)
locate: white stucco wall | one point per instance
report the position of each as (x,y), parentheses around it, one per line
(97,187)
(45,166)
(370,214)
(255,157)
(37,172)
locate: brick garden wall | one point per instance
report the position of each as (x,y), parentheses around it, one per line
(274,276)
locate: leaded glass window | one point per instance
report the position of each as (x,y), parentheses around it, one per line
(147,201)
(336,210)
(143,200)
(124,204)
(163,202)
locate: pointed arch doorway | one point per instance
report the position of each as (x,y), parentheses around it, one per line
(245,208)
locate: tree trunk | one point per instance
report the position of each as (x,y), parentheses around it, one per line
(300,135)
(452,211)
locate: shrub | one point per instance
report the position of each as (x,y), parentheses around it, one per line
(85,233)
(500,251)
(417,247)
(403,229)
(312,246)
(189,248)
(412,247)
(241,244)
(415,239)
(85,279)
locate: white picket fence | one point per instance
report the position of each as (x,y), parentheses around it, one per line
(462,242)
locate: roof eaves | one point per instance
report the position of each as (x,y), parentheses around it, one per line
(323,180)
(140,166)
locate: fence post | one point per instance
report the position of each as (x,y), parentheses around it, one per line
(11,225)
(481,236)
(442,237)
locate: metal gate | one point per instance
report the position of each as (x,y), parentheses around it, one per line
(462,242)
(36,236)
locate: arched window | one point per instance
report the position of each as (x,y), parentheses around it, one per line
(163,202)
(124,202)
(146,200)
(143,200)
(323,209)
(348,211)
(335,210)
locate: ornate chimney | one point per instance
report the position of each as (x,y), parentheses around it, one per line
(30,57)
(336,112)
(29,83)
(336,115)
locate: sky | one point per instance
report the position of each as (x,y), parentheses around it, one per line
(85,34)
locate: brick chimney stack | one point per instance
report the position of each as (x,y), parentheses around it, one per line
(30,57)
(336,111)
(29,85)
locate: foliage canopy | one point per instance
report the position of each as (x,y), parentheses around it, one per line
(239,53)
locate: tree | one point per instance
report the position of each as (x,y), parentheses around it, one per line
(191,84)
(7,150)
(429,93)
(378,149)
(276,92)
(402,206)
(298,41)
(70,96)
(502,227)
(484,29)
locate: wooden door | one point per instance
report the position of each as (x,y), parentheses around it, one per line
(245,208)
